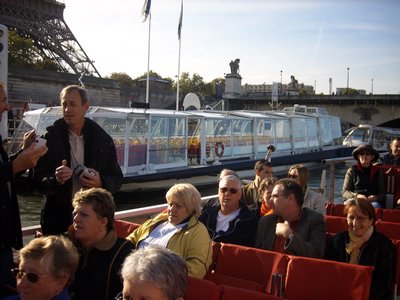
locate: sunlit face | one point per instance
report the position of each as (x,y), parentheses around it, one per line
(279,199)
(365,158)
(45,288)
(138,290)
(4,106)
(266,172)
(73,109)
(294,175)
(89,227)
(358,222)
(395,148)
(177,212)
(229,194)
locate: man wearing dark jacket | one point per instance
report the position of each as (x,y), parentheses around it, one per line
(228,219)
(81,155)
(10,223)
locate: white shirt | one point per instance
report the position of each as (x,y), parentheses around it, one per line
(161,234)
(223,220)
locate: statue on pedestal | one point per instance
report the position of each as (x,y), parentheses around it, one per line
(294,84)
(234,66)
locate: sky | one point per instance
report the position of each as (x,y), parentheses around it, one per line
(311,40)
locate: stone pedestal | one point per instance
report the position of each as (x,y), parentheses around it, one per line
(233,85)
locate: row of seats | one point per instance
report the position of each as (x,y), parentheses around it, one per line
(303,278)
(386,215)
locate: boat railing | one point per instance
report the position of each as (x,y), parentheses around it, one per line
(124,214)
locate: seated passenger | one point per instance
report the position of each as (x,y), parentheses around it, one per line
(102,251)
(362,245)
(46,268)
(228,219)
(393,157)
(364,180)
(265,191)
(262,169)
(154,272)
(226,172)
(291,229)
(312,200)
(179,230)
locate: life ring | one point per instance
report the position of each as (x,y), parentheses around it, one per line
(219,149)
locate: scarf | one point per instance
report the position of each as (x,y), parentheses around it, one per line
(356,242)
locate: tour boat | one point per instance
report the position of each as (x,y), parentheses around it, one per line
(155,145)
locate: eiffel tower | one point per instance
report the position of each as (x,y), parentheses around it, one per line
(43,22)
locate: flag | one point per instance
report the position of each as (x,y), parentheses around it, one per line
(146,10)
(180,21)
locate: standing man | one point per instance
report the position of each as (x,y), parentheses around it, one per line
(81,155)
(291,229)
(262,169)
(393,157)
(228,220)
(10,224)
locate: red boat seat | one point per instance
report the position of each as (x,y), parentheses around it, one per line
(201,289)
(315,279)
(235,293)
(391,215)
(124,228)
(391,230)
(335,224)
(247,267)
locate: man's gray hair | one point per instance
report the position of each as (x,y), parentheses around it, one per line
(232,178)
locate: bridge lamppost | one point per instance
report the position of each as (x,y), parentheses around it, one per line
(348,80)
(372,86)
(281,81)
(315,87)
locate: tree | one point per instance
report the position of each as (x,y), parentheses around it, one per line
(123,78)
(194,84)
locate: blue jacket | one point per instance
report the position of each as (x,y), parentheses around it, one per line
(241,231)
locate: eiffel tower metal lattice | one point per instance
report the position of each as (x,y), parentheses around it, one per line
(43,22)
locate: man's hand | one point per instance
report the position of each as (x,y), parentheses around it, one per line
(90,178)
(28,158)
(63,172)
(283,229)
(29,139)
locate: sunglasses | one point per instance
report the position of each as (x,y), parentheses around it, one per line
(292,176)
(223,190)
(32,277)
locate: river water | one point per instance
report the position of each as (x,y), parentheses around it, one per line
(30,205)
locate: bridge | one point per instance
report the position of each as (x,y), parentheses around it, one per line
(376,110)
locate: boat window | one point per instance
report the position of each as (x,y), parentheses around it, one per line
(325,131)
(282,129)
(312,133)
(299,133)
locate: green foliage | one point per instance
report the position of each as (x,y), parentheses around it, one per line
(123,78)
(351,91)
(22,52)
(195,84)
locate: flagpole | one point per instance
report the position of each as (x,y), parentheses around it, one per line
(179,55)
(148,63)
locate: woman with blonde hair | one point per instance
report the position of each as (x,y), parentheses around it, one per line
(179,230)
(265,206)
(312,200)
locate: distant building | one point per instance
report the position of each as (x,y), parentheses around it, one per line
(342,91)
(286,89)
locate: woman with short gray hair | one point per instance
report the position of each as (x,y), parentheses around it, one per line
(154,272)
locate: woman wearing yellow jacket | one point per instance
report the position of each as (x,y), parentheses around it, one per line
(179,230)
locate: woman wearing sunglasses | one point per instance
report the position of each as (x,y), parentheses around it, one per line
(365,180)
(47,266)
(361,244)
(179,230)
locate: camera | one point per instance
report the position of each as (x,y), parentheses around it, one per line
(79,169)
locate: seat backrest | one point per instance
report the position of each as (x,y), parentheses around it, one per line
(310,279)
(391,230)
(124,228)
(391,215)
(251,264)
(335,224)
(337,209)
(397,245)
(235,293)
(201,289)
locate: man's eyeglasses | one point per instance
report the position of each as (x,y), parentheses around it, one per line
(223,190)
(292,176)
(359,219)
(32,277)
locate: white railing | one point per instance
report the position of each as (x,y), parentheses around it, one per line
(136,212)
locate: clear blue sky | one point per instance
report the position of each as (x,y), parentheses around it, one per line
(312,40)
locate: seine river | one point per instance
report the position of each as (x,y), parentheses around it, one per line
(30,205)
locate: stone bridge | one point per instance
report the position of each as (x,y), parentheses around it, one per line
(376,110)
